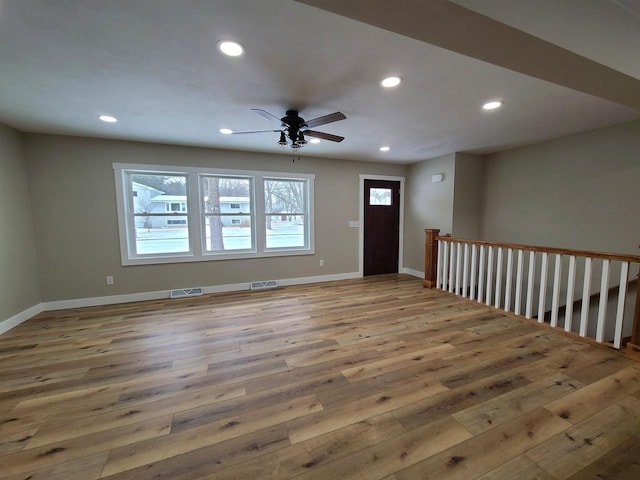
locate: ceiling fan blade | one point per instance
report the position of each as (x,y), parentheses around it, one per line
(324,136)
(256,131)
(332,117)
(267,115)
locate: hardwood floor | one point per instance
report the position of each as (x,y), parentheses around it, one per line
(374,378)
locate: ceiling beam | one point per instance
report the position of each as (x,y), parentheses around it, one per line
(458,29)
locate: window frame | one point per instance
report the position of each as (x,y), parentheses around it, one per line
(304,214)
(195,214)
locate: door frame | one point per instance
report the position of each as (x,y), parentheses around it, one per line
(363,177)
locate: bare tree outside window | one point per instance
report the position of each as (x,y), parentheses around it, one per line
(212,206)
(228,221)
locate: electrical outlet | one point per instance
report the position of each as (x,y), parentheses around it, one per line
(109,280)
(322,263)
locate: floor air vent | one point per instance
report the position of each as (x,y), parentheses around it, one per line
(187,292)
(264,285)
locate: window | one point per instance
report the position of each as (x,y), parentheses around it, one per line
(379,196)
(148,214)
(182,214)
(176,207)
(285,213)
(214,188)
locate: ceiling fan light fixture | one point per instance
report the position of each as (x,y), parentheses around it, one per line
(231,49)
(282,143)
(301,141)
(392,81)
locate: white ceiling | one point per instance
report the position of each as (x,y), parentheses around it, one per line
(154,65)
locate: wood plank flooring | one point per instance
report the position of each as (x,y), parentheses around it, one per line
(374,378)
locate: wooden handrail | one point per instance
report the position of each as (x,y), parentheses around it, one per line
(561,251)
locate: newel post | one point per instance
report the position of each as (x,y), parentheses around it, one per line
(633,347)
(431,257)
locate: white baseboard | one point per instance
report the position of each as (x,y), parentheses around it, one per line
(16,320)
(109,300)
(319,279)
(411,271)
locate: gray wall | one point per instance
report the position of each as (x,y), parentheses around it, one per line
(19,281)
(427,205)
(467,196)
(75,219)
(575,192)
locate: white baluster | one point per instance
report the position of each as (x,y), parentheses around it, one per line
(445,265)
(452,263)
(604,298)
(507,292)
(622,295)
(465,270)
(571,282)
(458,268)
(489,275)
(474,263)
(586,294)
(481,274)
(519,283)
(532,272)
(555,302)
(543,286)
(439,265)
(499,278)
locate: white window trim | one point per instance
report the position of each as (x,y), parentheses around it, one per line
(194,215)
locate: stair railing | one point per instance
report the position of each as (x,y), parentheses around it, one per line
(518,279)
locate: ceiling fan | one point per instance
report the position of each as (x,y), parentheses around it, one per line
(295,128)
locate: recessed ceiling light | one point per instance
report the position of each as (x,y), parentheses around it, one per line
(492,105)
(315,140)
(232,49)
(226,131)
(108,118)
(385,149)
(391,82)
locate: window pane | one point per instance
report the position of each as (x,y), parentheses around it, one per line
(151,196)
(228,223)
(284,196)
(285,231)
(165,234)
(226,195)
(379,196)
(228,232)
(286,210)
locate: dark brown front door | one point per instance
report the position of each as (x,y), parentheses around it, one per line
(381,226)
